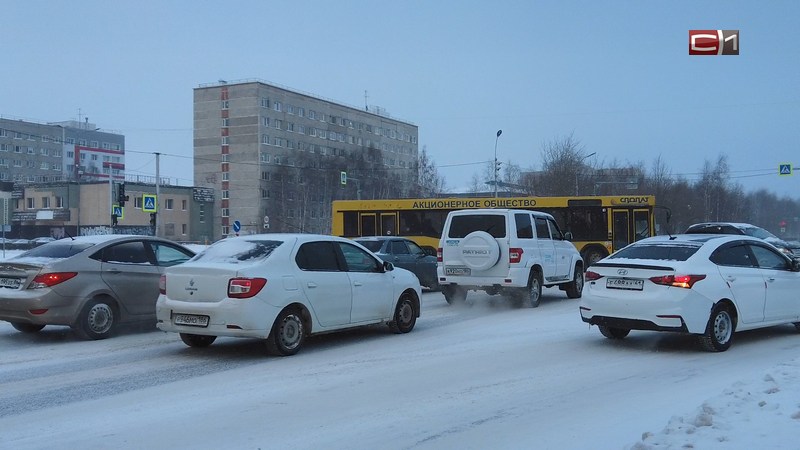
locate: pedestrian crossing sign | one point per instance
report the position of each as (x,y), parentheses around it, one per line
(118,211)
(784,169)
(149,203)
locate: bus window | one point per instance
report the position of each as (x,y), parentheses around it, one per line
(368,225)
(641,224)
(389,224)
(350,224)
(620,233)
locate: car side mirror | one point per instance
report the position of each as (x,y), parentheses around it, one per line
(568,235)
(387,266)
(796,264)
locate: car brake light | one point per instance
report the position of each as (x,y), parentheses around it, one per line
(514,255)
(245,287)
(681,281)
(439,255)
(162,284)
(51,279)
(591,276)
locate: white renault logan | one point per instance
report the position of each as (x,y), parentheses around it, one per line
(283,288)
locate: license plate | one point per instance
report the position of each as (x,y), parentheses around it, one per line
(624,283)
(11,283)
(190,320)
(457,271)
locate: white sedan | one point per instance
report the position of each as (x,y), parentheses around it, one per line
(708,285)
(283,288)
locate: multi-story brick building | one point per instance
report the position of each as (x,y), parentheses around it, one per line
(277,157)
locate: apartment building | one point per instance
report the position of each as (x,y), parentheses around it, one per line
(275,158)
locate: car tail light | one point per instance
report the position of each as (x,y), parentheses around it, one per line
(514,255)
(162,285)
(591,276)
(439,255)
(51,279)
(681,281)
(245,287)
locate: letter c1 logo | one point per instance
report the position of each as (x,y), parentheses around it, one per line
(713,42)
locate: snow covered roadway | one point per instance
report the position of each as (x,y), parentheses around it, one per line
(481,376)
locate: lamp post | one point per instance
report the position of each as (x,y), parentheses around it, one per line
(496,167)
(577,169)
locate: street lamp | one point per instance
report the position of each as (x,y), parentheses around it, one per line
(577,169)
(496,167)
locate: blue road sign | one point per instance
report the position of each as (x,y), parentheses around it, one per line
(237,226)
(148,203)
(117,211)
(784,169)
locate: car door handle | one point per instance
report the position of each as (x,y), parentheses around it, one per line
(730,278)
(770,279)
(357,283)
(312,285)
(114,271)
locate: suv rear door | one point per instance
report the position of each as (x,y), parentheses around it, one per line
(476,243)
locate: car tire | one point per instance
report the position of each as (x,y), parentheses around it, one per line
(592,256)
(27,327)
(719,330)
(97,320)
(405,315)
(288,334)
(613,333)
(197,340)
(531,295)
(454,295)
(575,287)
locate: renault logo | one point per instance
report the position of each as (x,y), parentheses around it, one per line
(622,271)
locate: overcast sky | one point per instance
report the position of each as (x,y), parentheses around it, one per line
(615,74)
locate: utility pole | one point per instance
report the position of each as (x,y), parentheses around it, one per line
(496,165)
(158,198)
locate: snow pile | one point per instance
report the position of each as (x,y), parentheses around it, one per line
(763,413)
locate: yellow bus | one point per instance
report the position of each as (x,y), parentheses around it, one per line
(599,225)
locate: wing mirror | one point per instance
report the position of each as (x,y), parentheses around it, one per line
(387,266)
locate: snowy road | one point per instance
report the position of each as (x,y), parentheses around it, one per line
(482,376)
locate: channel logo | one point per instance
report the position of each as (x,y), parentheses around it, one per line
(713,42)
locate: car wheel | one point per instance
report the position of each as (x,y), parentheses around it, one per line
(719,330)
(405,315)
(455,295)
(613,333)
(287,335)
(575,287)
(197,340)
(27,327)
(97,320)
(592,256)
(531,295)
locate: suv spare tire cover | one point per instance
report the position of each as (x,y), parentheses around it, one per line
(479,250)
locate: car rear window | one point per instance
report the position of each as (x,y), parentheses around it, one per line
(461,226)
(58,250)
(238,250)
(665,252)
(372,246)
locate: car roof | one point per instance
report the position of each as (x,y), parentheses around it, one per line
(499,211)
(380,238)
(697,238)
(739,225)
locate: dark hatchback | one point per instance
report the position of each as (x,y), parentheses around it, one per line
(406,254)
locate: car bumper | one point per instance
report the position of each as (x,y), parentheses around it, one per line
(516,277)
(679,311)
(17,306)
(229,317)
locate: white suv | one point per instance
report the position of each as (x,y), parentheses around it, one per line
(508,251)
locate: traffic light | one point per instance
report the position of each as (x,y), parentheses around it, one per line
(113,220)
(497,166)
(121,197)
(152,219)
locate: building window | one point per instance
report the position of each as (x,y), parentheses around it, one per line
(226,212)
(224,141)
(137,202)
(278,106)
(225,230)
(265,139)
(168,203)
(312,114)
(264,157)
(202,213)
(94,144)
(183,229)
(264,193)
(265,176)
(31,202)
(183,206)
(224,104)
(226,176)
(225,122)
(224,157)
(265,121)
(264,102)
(45,202)
(290,109)
(301,111)
(278,124)
(225,194)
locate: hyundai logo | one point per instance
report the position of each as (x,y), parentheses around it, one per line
(622,271)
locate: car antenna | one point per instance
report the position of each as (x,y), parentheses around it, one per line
(69,235)
(668,213)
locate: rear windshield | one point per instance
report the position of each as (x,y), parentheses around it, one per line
(58,250)
(665,252)
(372,246)
(494,224)
(237,250)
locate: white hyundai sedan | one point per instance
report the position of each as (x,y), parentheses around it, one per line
(708,285)
(283,288)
